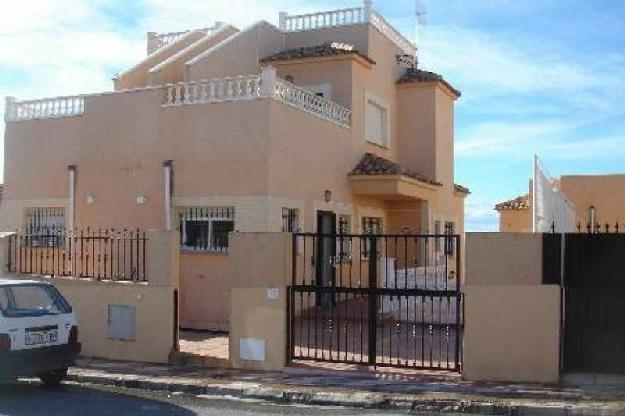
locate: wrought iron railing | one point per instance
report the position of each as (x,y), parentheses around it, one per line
(103,254)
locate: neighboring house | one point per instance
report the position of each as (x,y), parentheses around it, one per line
(317,122)
(597,199)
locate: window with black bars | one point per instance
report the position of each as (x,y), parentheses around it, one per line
(44,226)
(290,220)
(344,244)
(205,228)
(370,225)
(450,243)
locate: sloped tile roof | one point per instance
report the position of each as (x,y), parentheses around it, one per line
(373,165)
(418,75)
(519,203)
(319,51)
(461,189)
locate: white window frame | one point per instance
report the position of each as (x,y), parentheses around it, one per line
(386,124)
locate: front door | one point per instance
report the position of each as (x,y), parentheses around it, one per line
(326,247)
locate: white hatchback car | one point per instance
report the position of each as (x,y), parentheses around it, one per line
(38,331)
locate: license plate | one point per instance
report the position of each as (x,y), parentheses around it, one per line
(42,337)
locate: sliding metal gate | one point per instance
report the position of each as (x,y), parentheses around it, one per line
(378,300)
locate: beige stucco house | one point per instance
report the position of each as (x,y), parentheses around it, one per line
(597,199)
(262,129)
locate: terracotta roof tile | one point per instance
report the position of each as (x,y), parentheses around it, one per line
(319,51)
(519,203)
(461,189)
(373,165)
(418,75)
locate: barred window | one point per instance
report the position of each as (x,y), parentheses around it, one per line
(45,226)
(370,225)
(344,244)
(450,243)
(206,228)
(290,220)
(437,240)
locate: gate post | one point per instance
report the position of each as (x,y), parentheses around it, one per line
(373,304)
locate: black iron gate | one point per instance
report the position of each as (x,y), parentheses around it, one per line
(594,302)
(378,300)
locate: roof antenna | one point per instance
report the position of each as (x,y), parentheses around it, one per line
(406,60)
(419,20)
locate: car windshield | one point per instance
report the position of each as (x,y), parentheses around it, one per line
(32,300)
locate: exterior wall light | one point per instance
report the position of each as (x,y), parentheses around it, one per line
(90,199)
(142,199)
(328,195)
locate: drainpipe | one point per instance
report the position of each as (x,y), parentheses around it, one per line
(72,197)
(168,165)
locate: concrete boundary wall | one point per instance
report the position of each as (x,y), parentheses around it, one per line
(260,268)
(512,319)
(153,304)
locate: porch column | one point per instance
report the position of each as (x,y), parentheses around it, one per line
(71,207)
(168,166)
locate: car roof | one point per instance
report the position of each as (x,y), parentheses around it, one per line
(12,282)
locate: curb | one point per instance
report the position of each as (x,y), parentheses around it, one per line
(362,400)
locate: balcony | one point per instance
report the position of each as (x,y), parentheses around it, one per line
(242,88)
(346,17)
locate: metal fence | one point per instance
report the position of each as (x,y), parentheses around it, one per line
(103,254)
(378,300)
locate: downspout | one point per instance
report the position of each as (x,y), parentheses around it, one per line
(71,214)
(169,179)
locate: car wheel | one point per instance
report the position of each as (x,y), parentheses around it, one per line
(53,378)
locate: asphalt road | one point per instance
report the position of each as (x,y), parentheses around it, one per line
(30,398)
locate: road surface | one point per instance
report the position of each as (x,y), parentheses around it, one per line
(30,398)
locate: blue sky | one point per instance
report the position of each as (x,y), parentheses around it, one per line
(541,76)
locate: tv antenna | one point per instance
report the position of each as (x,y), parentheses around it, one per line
(420,20)
(407,60)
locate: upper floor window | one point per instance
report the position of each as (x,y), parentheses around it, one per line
(206,228)
(376,120)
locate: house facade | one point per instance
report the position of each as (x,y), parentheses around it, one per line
(320,123)
(598,200)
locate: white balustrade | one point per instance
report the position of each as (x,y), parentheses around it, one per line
(210,91)
(309,101)
(342,17)
(345,17)
(44,108)
(393,34)
(251,87)
(157,41)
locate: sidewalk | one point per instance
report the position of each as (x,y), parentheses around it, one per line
(357,387)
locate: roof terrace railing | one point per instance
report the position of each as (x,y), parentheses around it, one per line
(346,17)
(308,101)
(157,41)
(250,87)
(212,91)
(43,109)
